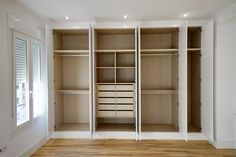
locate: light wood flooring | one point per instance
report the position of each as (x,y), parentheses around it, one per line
(127,148)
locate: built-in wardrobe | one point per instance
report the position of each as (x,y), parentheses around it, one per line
(138,82)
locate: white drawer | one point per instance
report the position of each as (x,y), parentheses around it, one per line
(125,114)
(124,87)
(106,114)
(124,107)
(106,100)
(106,107)
(106,94)
(124,94)
(124,100)
(106,87)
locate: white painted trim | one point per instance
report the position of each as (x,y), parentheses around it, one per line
(71,134)
(115,135)
(162,136)
(31,149)
(224,144)
(196,136)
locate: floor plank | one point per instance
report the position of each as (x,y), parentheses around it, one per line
(129,148)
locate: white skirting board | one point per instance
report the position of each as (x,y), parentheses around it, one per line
(31,149)
(224,144)
(71,134)
(161,136)
(196,136)
(115,135)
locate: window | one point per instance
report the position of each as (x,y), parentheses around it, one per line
(27,54)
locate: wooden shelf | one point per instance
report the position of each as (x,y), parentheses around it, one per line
(117,51)
(86,91)
(125,67)
(159,54)
(105,67)
(118,83)
(73,127)
(159,50)
(194,49)
(71,51)
(159,92)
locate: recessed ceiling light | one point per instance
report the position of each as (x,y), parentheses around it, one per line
(67,18)
(77,27)
(175,25)
(185,15)
(125,26)
(125,16)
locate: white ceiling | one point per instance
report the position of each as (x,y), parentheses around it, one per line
(114,10)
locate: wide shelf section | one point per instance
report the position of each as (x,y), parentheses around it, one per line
(116,51)
(158,128)
(73,127)
(75,53)
(158,91)
(83,91)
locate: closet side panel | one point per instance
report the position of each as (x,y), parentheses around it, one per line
(183,80)
(207,73)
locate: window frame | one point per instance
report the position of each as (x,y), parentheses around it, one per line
(30,40)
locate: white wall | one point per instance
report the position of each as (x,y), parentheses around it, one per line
(225,78)
(22,140)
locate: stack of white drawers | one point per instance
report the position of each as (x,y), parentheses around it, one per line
(115,101)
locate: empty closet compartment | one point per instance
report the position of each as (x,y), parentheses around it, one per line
(114,52)
(194,79)
(159,79)
(71,80)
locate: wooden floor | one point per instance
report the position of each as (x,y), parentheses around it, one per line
(127,148)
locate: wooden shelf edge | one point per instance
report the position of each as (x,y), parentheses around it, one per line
(116,50)
(159,50)
(194,49)
(85,91)
(71,51)
(162,91)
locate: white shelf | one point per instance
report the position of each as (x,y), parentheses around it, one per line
(113,51)
(159,50)
(159,54)
(126,83)
(159,92)
(194,49)
(71,51)
(73,91)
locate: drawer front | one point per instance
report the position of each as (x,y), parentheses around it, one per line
(106,114)
(106,94)
(106,107)
(125,100)
(124,94)
(124,107)
(106,100)
(125,114)
(106,87)
(125,87)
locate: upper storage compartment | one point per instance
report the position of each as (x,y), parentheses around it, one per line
(115,39)
(71,39)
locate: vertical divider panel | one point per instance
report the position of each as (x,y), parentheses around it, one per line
(94,84)
(183,80)
(139,83)
(207,73)
(90,84)
(136,83)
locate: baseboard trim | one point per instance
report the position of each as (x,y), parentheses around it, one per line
(224,144)
(31,149)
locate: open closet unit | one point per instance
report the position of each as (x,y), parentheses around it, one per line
(158,77)
(115,79)
(194,79)
(72,80)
